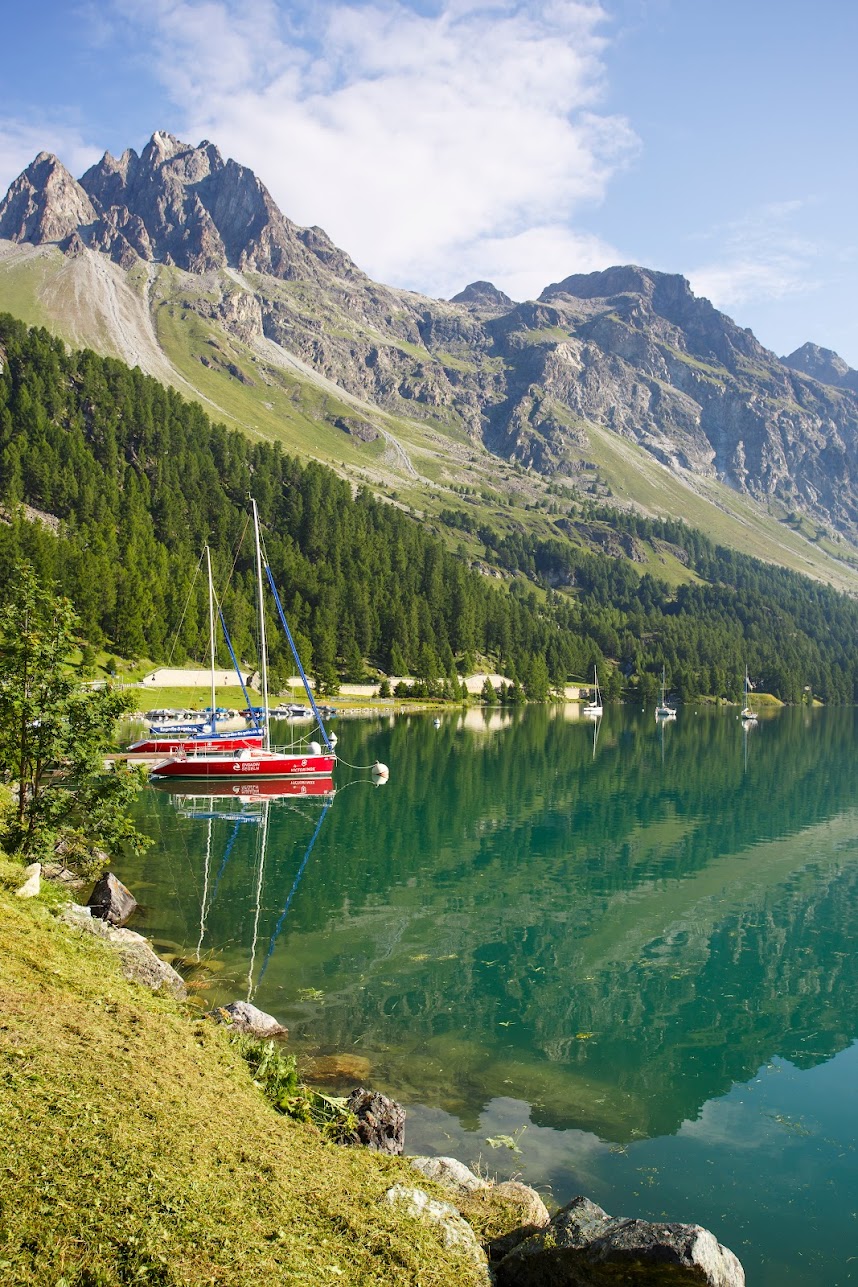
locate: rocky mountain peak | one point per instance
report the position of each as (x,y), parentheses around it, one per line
(482,295)
(824,365)
(161,146)
(174,203)
(45,203)
(626,279)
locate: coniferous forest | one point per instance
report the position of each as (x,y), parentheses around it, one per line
(130,482)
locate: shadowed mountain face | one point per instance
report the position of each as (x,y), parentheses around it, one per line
(626,350)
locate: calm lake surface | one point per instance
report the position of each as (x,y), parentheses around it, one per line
(629,950)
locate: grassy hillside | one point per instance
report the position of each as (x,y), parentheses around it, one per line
(147,317)
(135,1148)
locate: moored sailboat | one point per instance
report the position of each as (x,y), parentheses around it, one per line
(748,715)
(663,710)
(262,761)
(594,707)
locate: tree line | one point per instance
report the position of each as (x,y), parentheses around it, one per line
(129,482)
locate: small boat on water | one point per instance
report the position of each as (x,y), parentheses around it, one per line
(663,710)
(593,709)
(748,715)
(261,761)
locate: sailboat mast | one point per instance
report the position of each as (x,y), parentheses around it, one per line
(263,651)
(211,634)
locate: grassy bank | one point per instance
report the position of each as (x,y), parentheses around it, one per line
(135,1148)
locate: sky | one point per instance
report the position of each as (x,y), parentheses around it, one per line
(440,142)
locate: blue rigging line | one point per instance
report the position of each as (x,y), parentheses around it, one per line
(306,682)
(296,882)
(226,857)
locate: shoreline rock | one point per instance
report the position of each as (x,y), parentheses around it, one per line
(110,900)
(241,1016)
(139,961)
(583,1246)
(380,1121)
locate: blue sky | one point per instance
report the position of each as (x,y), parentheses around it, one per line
(441,141)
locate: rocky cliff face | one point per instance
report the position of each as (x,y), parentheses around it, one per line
(627,349)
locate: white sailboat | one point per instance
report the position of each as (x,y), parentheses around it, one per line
(748,716)
(663,710)
(594,707)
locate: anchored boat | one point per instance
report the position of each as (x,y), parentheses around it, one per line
(314,760)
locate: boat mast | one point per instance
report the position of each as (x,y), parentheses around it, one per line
(211,635)
(263,651)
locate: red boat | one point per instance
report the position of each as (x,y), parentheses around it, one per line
(248,764)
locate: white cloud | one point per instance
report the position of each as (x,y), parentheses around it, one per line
(418,141)
(761,258)
(21,142)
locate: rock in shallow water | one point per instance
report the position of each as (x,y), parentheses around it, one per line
(110,900)
(245,1017)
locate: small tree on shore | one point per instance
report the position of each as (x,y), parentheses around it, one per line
(54,733)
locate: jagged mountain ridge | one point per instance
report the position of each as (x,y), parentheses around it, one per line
(628,351)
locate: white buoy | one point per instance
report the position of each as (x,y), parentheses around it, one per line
(332,738)
(436,723)
(380,773)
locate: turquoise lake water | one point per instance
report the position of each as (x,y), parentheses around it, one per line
(617,960)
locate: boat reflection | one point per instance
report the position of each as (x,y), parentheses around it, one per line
(239,803)
(271,789)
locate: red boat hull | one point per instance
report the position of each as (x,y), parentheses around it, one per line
(246,765)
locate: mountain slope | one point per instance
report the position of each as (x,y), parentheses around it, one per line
(616,383)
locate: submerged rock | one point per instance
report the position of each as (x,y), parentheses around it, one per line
(345,1067)
(110,900)
(584,1246)
(381,1121)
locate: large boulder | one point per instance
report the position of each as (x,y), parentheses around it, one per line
(530,1211)
(584,1247)
(110,900)
(380,1121)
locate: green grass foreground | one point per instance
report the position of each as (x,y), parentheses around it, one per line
(135,1148)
